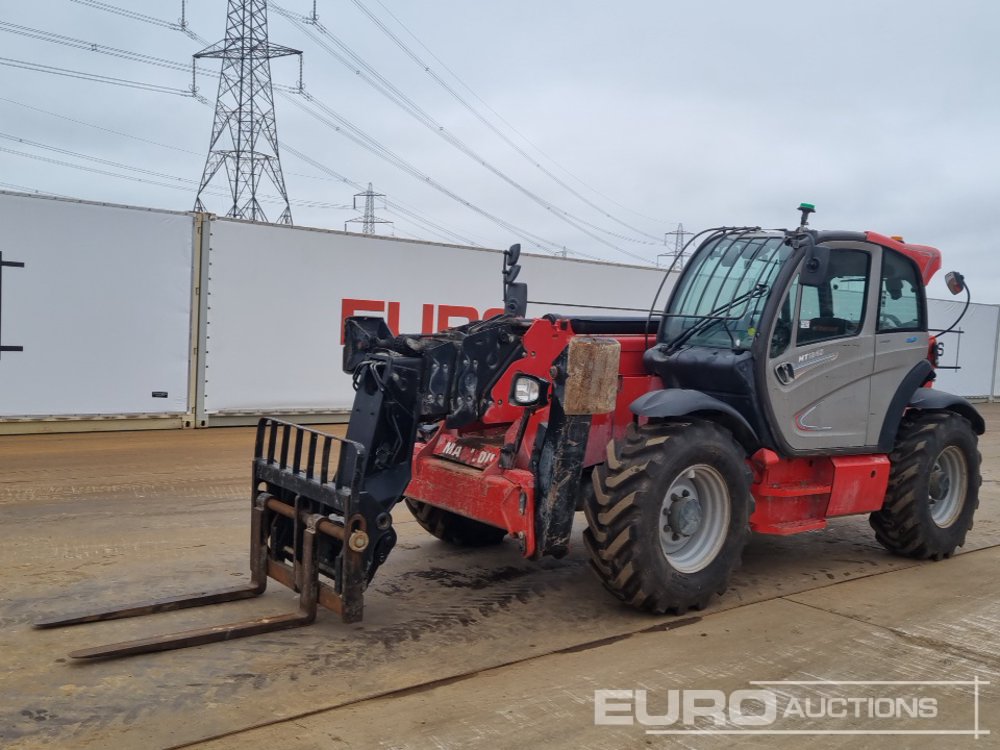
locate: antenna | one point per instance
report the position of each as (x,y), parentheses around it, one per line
(806,209)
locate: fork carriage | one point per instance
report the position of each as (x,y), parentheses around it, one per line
(308,532)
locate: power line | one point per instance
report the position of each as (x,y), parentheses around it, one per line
(174,181)
(96,159)
(100,127)
(181,183)
(111,80)
(393,206)
(358,136)
(385,87)
(136,16)
(131,178)
(102,49)
(93,170)
(375,79)
(69,41)
(400,209)
(65,72)
(355,134)
(140,139)
(475,112)
(501,118)
(35,191)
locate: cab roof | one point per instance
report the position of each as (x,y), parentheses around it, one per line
(927,258)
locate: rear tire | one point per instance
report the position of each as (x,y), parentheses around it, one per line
(669,516)
(453,528)
(933,487)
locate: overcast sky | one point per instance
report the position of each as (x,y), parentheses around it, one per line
(884,113)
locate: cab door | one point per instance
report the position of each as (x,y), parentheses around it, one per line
(901,338)
(822,355)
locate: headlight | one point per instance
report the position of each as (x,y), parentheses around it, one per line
(528,390)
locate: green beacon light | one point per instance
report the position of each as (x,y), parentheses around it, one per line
(806,209)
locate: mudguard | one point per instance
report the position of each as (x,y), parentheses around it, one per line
(681,402)
(931,399)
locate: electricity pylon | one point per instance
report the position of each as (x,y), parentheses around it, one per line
(245,133)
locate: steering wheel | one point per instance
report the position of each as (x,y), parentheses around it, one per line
(887,320)
(781,337)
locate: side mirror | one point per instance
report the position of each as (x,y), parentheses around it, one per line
(512,254)
(515,295)
(516,300)
(815,265)
(894,287)
(955,282)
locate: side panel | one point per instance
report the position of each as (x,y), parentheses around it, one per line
(859,484)
(973,349)
(101,309)
(278,297)
(794,495)
(899,304)
(819,390)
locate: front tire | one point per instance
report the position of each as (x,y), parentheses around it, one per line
(669,516)
(933,487)
(453,528)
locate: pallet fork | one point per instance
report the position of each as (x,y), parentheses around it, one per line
(305,523)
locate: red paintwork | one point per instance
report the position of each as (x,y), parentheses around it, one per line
(505,499)
(799,494)
(859,484)
(926,257)
(459,470)
(543,343)
(932,356)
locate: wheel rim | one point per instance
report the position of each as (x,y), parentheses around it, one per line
(694,518)
(947,486)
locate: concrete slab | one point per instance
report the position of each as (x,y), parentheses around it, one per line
(550,701)
(117,516)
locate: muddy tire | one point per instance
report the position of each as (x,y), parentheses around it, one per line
(933,487)
(453,528)
(669,516)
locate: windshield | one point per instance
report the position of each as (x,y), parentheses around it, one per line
(731,267)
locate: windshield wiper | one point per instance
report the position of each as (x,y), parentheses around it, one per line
(715,316)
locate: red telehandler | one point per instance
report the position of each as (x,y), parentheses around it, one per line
(787,381)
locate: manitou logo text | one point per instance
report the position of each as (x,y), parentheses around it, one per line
(433,318)
(471,456)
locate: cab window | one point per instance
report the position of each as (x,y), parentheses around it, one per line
(900,302)
(836,307)
(782,335)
